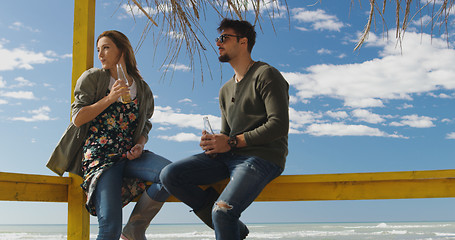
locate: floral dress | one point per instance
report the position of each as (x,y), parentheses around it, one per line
(110,137)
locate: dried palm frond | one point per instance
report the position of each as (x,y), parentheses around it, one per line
(439,17)
(179,21)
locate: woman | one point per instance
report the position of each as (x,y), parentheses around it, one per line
(109,137)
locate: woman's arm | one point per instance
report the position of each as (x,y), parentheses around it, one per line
(88,113)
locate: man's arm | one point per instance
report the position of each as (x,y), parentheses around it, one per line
(274,91)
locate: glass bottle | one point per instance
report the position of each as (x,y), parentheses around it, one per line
(121,75)
(208,130)
(207,126)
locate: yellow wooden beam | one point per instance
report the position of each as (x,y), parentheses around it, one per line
(37,188)
(346,186)
(357,186)
(36,192)
(33,178)
(367,176)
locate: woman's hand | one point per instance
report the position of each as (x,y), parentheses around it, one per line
(118,89)
(135,151)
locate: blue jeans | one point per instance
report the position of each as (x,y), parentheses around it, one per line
(107,196)
(248,177)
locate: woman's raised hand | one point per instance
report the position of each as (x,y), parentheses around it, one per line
(118,89)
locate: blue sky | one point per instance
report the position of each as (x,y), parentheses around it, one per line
(386,107)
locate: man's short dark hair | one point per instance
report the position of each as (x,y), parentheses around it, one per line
(241,28)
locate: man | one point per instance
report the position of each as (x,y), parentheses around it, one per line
(252,146)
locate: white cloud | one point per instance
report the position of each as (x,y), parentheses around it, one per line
(182,137)
(337,115)
(2,101)
(20,58)
(2,82)
(298,119)
(415,121)
(303,29)
(22,82)
(68,55)
(437,2)
(51,53)
(441,95)
(274,9)
(318,19)
(405,106)
(293,99)
(18,95)
(423,65)
(185,100)
(4,41)
(179,67)
(423,21)
(324,51)
(176,35)
(367,116)
(341,56)
(167,116)
(41,114)
(341,129)
(20,26)
(446,120)
(450,135)
(133,10)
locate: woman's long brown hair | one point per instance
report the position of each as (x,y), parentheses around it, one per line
(124,45)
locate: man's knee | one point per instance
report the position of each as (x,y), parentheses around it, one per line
(165,175)
(222,206)
(221,212)
(169,176)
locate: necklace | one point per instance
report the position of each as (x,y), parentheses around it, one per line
(237,80)
(247,69)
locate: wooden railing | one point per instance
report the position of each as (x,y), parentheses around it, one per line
(346,186)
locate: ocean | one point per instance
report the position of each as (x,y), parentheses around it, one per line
(320,231)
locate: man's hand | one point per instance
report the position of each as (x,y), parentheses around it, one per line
(214,143)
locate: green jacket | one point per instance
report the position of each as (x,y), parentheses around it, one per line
(92,86)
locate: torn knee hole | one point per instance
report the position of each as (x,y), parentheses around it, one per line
(222,206)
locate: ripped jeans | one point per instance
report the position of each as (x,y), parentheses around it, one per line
(248,177)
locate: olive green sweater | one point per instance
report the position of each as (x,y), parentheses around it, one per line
(258,107)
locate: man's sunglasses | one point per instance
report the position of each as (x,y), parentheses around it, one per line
(222,37)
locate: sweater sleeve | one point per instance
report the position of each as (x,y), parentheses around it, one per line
(273,89)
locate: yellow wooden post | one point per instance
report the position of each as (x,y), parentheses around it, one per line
(78,217)
(83,38)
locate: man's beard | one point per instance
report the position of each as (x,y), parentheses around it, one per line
(224,58)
